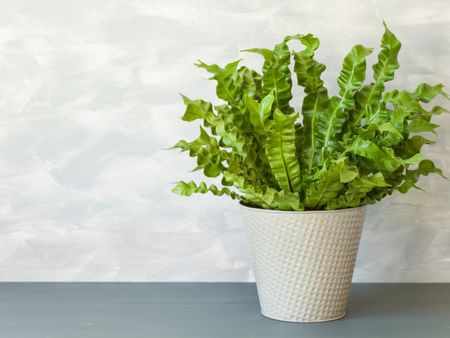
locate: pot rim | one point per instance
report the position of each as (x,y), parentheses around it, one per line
(285,212)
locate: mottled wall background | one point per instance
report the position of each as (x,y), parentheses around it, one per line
(89,97)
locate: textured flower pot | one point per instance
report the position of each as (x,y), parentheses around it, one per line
(303,261)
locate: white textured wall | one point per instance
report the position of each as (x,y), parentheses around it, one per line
(89,96)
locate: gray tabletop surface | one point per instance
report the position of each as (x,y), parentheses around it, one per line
(209,310)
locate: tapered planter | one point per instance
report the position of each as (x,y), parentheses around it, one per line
(303,261)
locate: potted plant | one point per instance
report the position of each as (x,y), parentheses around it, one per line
(304,180)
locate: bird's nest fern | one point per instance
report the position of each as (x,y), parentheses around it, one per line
(348,150)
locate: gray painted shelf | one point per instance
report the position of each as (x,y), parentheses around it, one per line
(210,310)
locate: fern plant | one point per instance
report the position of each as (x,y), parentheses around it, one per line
(344,151)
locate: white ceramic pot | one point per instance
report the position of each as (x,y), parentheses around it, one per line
(304,261)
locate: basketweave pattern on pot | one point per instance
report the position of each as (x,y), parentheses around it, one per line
(303,262)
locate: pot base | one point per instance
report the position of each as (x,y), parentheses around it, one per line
(287,320)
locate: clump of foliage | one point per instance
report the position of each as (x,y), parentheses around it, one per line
(349,150)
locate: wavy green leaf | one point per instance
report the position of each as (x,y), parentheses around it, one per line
(350,81)
(421,125)
(196,109)
(357,190)
(281,151)
(276,75)
(347,171)
(387,64)
(413,146)
(307,69)
(227,89)
(383,71)
(426,93)
(315,105)
(380,159)
(187,189)
(259,112)
(328,187)
(425,168)
(389,135)
(316,101)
